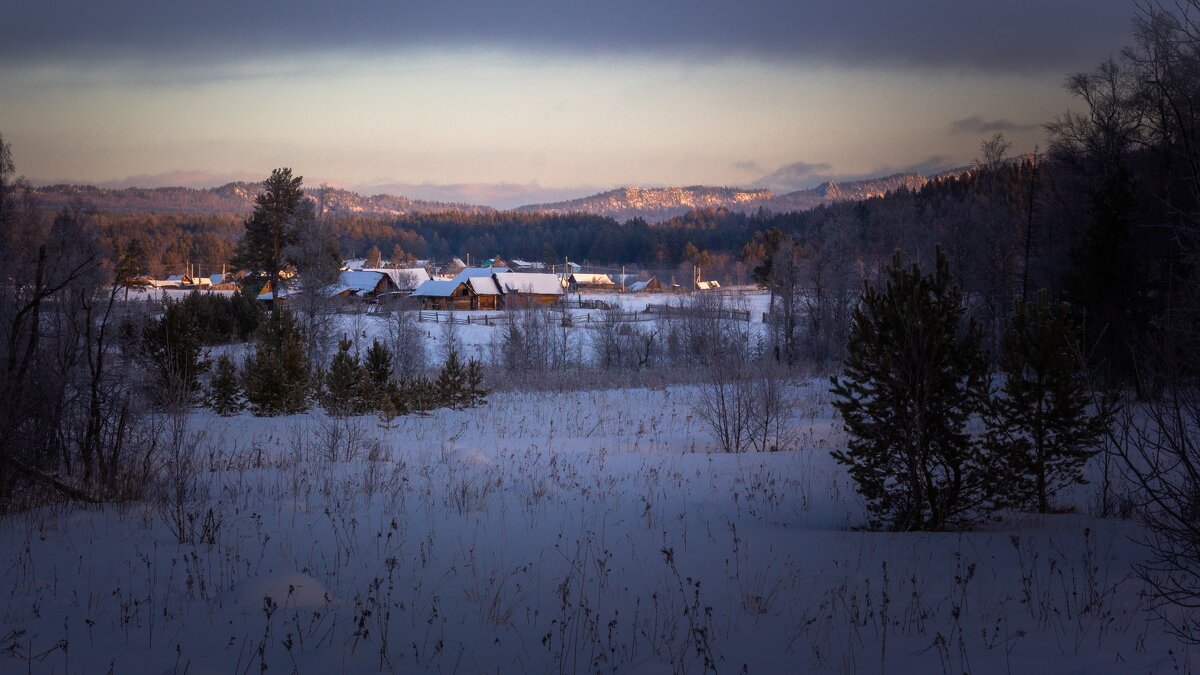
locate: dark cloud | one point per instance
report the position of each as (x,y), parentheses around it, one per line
(975,124)
(804,175)
(1021,35)
(796,175)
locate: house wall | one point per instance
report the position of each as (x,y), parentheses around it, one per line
(518,300)
(484,302)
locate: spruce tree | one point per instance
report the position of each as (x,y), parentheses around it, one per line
(1041,423)
(275,377)
(914,376)
(346,384)
(224,396)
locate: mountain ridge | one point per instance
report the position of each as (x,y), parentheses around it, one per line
(653,204)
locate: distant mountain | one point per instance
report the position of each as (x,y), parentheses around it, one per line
(659,204)
(831,192)
(653,204)
(231,198)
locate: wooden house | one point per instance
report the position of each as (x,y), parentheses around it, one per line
(523,288)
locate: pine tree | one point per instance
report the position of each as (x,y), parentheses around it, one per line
(422,394)
(379,364)
(275,377)
(171,344)
(374,257)
(473,385)
(346,384)
(451,382)
(129,270)
(913,379)
(1041,425)
(224,396)
(268,229)
(387,411)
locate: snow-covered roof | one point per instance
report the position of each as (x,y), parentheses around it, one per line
(469,272)
(639,286)
(359,282)
(437,288)
(527,264)
(530,282)
(176,277)
(592,279)
(216,279)
(406,278)
(283,293)
(354,264)
(707,285)
(483,285)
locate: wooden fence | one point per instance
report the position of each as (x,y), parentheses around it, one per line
(675,310)
(462,320)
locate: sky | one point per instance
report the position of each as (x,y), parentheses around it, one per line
(506,103)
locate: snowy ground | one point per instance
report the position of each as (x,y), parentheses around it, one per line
(579,532)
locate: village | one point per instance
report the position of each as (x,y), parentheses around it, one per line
(495,285)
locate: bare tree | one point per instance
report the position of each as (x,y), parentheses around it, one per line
(313,253)
(406,340)
(725,405)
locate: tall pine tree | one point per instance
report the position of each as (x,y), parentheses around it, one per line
(914,376)
(268,229)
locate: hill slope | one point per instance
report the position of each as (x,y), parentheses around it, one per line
(659,204)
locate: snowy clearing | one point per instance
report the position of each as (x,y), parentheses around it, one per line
(578,532)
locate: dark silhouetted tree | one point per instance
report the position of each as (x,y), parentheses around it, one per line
(914,376)
(1043,425)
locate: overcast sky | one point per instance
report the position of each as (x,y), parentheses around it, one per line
(524,101)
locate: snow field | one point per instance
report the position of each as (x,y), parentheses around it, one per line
(551,532)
